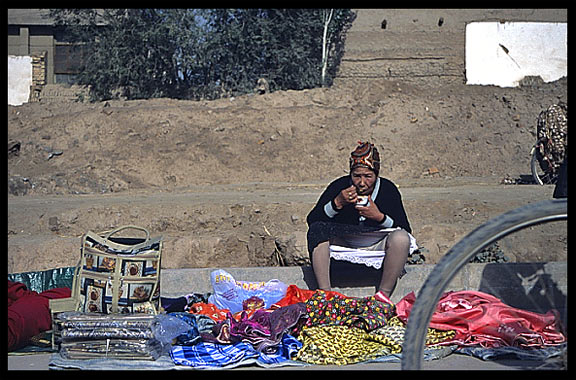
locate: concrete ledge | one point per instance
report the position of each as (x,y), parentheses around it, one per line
(536,287)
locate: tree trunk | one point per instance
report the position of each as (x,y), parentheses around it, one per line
(327,19)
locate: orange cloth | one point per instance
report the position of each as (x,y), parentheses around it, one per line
(294,295)
(217,315)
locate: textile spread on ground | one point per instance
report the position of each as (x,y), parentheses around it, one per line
(316,327)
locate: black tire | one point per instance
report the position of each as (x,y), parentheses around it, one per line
(535,166)
(541,176)
(458,256)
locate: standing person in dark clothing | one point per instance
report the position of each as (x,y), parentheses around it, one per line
(341,216)
(561,188)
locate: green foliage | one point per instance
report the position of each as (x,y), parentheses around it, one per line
(201,53)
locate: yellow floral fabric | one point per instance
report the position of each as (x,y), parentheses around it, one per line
(341,344)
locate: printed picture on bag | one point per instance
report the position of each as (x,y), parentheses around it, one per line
(90,244)
(85,282)
(94,298)
(89,262)
(97,263)
(144,307)
(150,268)
(106,264)
(122,291)
(133,268)
(140,292)
(121,309)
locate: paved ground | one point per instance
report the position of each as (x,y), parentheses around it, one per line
(452,362)
(491,277)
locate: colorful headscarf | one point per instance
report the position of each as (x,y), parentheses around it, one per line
(365,155)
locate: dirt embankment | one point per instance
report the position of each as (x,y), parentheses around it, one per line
(229,182)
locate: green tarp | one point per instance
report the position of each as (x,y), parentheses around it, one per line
(45,280)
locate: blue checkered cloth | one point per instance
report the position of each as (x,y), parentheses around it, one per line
(213,355)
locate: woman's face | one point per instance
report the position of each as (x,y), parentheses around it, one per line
(364,180)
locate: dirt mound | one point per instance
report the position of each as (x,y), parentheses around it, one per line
(291,136)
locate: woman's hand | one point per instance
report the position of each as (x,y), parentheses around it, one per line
(371,211)
(346,197)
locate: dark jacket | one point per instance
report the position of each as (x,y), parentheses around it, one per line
(561,188)
(388,200)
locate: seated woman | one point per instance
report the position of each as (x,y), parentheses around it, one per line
(340,218)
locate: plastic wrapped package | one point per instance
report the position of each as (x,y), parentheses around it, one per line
(119,336)
(231,294)
(178,327)
(112,325)
(105,333)
(135,349)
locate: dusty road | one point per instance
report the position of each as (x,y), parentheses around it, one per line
(248,224)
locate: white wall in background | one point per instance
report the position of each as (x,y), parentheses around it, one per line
(19,79)
(502,54)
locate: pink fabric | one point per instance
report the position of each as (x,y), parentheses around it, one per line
(482,319)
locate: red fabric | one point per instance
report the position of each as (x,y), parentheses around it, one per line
(209,310)
(29,312)
(482,319)
(294,295)
(216,314)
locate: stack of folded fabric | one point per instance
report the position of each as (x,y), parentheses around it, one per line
(119,336)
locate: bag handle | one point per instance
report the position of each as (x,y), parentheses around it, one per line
(110,233)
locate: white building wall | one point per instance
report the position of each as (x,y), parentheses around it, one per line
(19,79)
(502,54)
